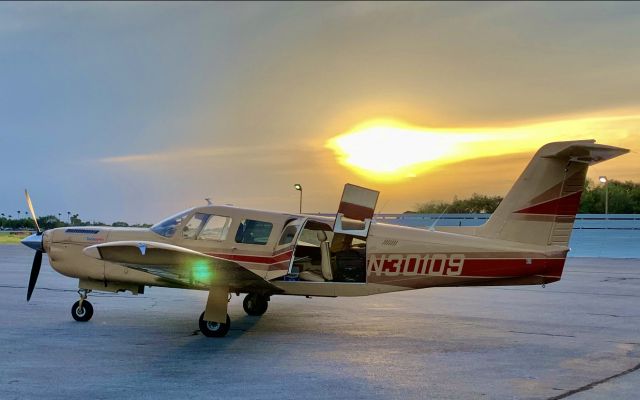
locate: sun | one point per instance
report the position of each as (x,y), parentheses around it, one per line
(390,150)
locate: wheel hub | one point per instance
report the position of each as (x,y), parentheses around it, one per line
(213,326)
(80,311)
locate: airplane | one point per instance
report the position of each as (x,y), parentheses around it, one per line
(224,249)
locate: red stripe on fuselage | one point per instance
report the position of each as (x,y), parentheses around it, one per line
(495,268)
(267,260)
(390,265)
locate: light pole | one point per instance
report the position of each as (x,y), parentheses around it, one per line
(298,187)
(605,181)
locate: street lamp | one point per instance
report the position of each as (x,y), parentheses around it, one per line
(298,187)
(605,181)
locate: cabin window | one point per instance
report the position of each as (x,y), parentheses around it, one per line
(253,232)
(216,228)
(194,226)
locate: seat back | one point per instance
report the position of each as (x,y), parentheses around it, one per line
(325,261)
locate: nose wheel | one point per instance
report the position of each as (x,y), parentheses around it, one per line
(255,304)
(82,310)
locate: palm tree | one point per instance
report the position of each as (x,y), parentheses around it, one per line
(18,214)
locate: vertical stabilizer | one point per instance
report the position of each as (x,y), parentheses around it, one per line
(541,206)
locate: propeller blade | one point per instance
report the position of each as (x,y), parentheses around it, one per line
(33,214)
(35,271)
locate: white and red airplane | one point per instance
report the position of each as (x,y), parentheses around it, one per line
(224,249)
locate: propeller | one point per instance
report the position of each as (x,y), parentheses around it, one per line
(35,271)
(33,214)
(35,242)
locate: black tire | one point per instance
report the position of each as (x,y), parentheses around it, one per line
(214,329)
(255,304)
(84,314)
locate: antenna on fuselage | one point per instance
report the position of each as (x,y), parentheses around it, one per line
(208,200)
(433,226)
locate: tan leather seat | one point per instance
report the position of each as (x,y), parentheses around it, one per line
(326,256)
(310,276)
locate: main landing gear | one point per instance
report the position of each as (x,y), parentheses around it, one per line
(82,310)
(214,329)
(255,304)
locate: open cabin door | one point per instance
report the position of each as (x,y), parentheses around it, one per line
(284,251)
(350,232)
(355,211)
(320,253)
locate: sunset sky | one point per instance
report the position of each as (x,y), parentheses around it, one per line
(133,111)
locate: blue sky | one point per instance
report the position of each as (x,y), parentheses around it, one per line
(136,110)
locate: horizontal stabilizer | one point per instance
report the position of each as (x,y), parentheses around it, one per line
(585,151)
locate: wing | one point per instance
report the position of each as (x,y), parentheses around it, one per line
(181,265)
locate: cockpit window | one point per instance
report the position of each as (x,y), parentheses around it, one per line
(194,226)
(167,227)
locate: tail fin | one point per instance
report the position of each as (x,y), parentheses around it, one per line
(541,206)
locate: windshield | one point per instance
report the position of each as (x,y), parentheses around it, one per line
(167,227)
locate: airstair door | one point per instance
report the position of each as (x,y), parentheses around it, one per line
(283,253)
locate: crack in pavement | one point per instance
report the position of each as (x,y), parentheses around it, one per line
(550,291)
(93,294)
(542,334)
(615,315)
(40,288)
(594,384)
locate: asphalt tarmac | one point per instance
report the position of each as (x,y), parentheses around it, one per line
(577,339)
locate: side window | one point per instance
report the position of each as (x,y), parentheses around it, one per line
(195,224)
(216,228)
(288,234)
(253,232)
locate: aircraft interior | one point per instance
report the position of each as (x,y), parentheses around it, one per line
(324,256)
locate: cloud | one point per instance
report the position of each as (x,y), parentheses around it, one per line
(181,155)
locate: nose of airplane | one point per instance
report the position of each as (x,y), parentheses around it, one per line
(33,241)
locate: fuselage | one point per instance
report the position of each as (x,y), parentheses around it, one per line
(391,257)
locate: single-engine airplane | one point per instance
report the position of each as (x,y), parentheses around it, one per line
(225,249)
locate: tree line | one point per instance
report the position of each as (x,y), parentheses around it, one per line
(624,198)
(51,221)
